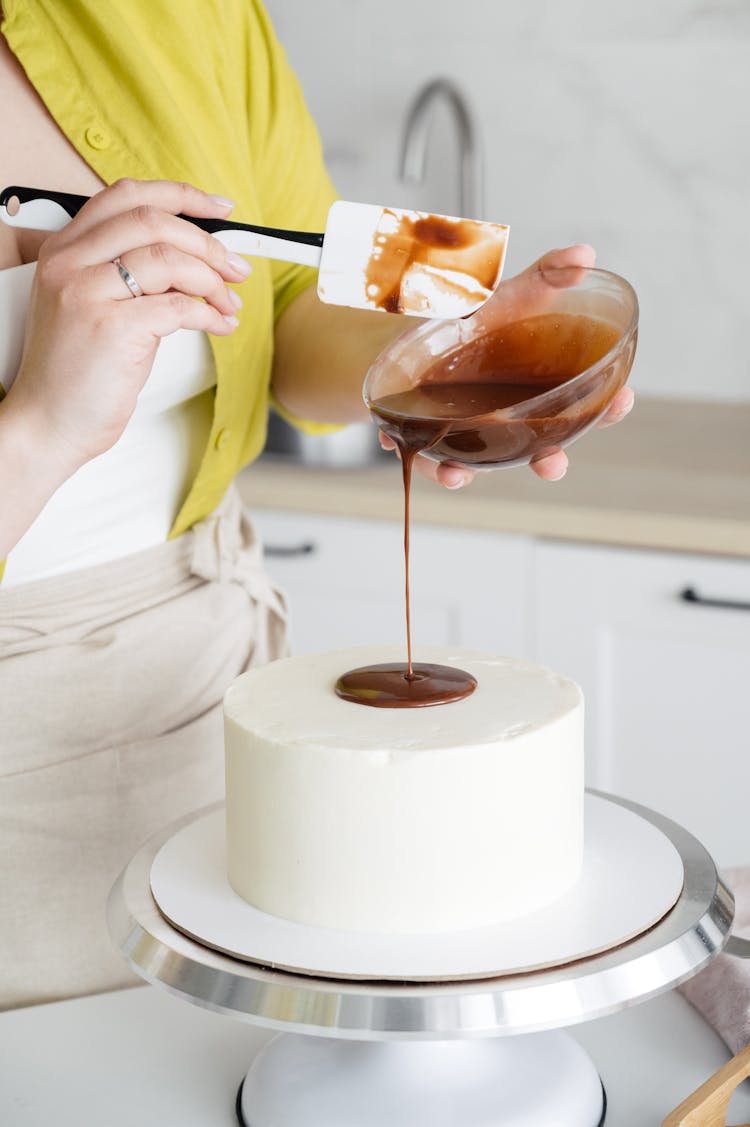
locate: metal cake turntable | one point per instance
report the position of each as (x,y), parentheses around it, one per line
(361,1049)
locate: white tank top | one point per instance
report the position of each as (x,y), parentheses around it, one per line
(126,499)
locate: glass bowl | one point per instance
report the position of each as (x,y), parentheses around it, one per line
(531,371)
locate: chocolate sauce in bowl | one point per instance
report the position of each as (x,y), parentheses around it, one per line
(461,410)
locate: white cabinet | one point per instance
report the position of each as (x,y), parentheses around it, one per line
(666,681)
(345,580)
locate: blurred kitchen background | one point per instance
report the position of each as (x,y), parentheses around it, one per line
(622,125)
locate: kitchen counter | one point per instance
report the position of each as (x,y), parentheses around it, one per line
(143,1057)
(672,476)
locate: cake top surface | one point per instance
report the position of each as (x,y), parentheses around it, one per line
(292,701)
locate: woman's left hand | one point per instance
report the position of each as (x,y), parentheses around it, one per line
(554,465)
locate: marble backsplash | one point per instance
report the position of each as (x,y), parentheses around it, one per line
(623,125)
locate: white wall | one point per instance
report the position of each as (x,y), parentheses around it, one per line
(626,125)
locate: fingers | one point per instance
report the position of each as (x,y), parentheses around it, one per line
(566,267)
(552,466)
(557,269)
(448,474)
(134,214)
(147,226)
(621,405)
(172,311)
(136,222)
(127,195)
(158,268)
(531,292)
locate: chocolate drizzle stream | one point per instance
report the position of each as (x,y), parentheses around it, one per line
(407,464)
(414,685)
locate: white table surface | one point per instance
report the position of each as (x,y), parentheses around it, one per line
(141,1057)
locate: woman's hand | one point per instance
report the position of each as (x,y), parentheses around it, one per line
(522,290)
(90,343)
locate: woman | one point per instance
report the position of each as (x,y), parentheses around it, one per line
(133,590)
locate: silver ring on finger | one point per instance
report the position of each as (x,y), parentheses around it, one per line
(131,282)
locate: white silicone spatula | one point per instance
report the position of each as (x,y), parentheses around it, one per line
(369,257)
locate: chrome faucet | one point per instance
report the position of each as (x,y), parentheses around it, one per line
(414,143)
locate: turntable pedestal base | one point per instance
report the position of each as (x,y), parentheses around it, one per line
(539,1078)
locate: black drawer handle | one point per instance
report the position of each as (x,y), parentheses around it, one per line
(690,595)
(286,551)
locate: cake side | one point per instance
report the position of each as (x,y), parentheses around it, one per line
(436,819)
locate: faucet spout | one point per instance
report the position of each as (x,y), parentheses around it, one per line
(414,143)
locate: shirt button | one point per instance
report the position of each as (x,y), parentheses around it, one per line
(97,137)
(222,438)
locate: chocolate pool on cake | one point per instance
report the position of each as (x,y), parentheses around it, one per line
(403,821)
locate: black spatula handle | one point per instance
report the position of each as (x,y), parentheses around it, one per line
(72,204)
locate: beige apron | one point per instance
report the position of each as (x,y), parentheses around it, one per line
(111,681)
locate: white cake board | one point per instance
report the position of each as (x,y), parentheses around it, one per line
(632,876)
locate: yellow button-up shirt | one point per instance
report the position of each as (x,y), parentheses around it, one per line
(201,91)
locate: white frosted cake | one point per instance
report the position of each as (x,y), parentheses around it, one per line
(429,819)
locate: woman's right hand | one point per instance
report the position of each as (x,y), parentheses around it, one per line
(90,344)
